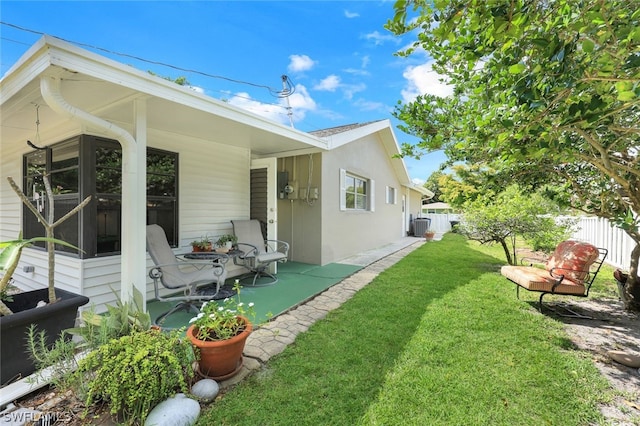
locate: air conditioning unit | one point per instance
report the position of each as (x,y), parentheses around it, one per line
(420,226)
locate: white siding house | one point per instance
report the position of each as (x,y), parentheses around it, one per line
(92,102)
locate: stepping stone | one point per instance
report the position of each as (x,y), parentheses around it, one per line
(625,358)
(175,411)
(206,390)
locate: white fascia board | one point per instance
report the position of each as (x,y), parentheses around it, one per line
(393,148)
(27,56)
(70,57)
(421,189)
(23,72)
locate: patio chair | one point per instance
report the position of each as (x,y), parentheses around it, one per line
(258,253)
(570,271)
(177,274)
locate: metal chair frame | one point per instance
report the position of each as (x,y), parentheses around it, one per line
(590,277)
(172,276)
(258,253)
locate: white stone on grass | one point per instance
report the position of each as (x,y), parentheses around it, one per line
(206,389)
(175,411)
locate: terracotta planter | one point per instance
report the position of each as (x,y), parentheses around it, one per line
(198,249)
(429,235)
(222,359)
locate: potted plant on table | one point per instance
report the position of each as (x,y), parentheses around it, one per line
(218,334)
(49,309)
(225,243)
(203,244)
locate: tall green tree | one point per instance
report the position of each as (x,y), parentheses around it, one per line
(433,185)
(545,91)
(464,184)
(509,215)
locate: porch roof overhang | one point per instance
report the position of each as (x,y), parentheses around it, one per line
(108,89)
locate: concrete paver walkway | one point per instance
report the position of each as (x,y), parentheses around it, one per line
(273,337)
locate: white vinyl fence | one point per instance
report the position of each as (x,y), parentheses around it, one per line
(441,222)
(601,233)
(595,230)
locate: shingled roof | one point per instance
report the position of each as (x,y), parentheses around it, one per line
(323,133)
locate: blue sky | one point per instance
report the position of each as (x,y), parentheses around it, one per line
(337,54)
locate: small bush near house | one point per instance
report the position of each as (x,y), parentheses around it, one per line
(136,372)
(125,364)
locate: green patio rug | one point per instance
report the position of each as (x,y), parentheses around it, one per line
(297,282)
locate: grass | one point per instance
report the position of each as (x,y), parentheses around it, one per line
(439,338)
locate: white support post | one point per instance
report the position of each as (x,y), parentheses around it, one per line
(134,207)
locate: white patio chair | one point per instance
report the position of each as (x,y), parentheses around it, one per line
(258,253)
(170,271)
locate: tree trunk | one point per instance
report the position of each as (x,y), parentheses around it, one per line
(632,286)
(49,226)
(507,252)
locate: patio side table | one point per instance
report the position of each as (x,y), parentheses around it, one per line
(211,256)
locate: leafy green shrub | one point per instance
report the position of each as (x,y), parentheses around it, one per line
(125,363)
(120,320)
(133,373)
(513,214)
(550,233)
(60,358)
(95,331)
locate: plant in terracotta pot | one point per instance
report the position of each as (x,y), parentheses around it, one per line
(203,244)
(219,333)
(429,234)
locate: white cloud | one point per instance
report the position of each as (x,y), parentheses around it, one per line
(364,63)
(333,83)
(351,89)
(364,105)
(197,89)
(300,63)
(418,181)
(421,79)
(270,111)
(351,14)
(356,71)
(379,38)
(300,101)
(330,83)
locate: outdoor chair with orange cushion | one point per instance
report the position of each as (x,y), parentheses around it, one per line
(570,271)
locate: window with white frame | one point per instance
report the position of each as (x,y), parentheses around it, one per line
(356,192)
(391,195)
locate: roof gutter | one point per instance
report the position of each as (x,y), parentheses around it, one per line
(133,264)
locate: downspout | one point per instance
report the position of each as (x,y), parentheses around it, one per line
(133,250)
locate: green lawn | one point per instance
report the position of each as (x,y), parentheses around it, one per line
(439,338)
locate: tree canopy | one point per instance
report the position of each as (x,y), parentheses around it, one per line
(545,92)
(503,218)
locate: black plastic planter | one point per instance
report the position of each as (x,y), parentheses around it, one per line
(14,356)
